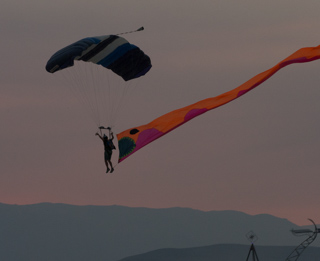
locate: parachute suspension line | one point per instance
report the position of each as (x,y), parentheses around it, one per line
(115,91)
(116,99)
(99,95)
(87,83)
(89,95)
(130,32)
(110,91)
(99,90)
(129,86)
(119,104)
(90,90)
(107,98)
(96,92)
(104,97)
(78,84)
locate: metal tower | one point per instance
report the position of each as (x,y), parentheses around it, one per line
(312,235)
(252,237)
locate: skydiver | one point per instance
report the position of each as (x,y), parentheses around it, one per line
(108,147)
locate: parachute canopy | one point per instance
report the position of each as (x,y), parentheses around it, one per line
(133,139)
(110,51)
(90,69)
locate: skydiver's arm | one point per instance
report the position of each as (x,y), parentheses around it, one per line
(112,137)
(97,134)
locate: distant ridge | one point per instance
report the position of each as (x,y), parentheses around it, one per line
(48,231)
(223,252)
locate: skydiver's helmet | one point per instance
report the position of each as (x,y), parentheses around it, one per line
(105,136)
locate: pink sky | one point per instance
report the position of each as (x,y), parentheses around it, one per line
(258,154)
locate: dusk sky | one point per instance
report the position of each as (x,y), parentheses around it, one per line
(257,154)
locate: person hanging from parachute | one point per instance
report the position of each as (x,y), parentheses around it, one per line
(108,147)
(128,61)
(95,61)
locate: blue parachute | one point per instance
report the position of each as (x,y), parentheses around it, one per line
(100,72)
(110,51)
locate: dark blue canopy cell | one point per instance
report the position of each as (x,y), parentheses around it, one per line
(110,51)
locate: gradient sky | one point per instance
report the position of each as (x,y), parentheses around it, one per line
(258,154)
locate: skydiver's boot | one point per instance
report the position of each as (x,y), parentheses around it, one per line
(112,170)
(107,170)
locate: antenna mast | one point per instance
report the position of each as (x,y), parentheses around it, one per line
(252,237)
(312,235)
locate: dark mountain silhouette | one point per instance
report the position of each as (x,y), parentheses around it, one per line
(61,232)
(224,252)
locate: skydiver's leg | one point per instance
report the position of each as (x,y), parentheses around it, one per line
(107,166)
(106,161)
(107,158)
(112,169)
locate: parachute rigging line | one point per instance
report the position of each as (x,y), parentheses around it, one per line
(100,71)
(130,32)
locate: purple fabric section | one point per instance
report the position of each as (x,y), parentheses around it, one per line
(245,91)
(149,135)
(194,113)
(145,137)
